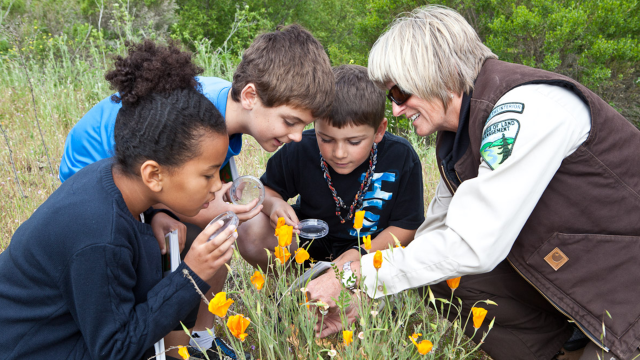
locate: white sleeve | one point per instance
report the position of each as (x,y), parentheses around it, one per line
(437,211)
(473,231)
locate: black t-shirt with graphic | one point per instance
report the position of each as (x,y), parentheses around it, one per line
(394,198)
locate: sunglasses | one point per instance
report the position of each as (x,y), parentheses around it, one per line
(398,96)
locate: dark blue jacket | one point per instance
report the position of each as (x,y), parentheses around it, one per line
(82,279)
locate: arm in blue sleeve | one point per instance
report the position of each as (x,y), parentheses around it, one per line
(91,139)
(114,324)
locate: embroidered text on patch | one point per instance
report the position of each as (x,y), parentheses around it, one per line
(504,108)
(498,140)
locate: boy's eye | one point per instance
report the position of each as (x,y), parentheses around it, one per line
(355,142)
(289,124)
(325,140)
(208,177)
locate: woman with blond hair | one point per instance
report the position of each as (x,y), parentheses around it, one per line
(535,203)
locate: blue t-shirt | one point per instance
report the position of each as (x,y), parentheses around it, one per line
(91,139)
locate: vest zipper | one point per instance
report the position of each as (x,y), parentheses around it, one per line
(447,180)
(584,331)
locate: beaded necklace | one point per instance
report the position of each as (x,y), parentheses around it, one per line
(357,201)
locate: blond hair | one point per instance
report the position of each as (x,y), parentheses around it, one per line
(430,52)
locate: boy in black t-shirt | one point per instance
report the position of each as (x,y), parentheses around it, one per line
(347,163)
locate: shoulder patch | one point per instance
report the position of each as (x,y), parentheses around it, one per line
(497,142)
(506,107)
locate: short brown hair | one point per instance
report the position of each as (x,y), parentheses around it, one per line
(358,101)
(288,67)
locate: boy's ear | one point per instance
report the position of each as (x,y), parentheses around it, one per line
(152,175)
(249,96)
(381,130)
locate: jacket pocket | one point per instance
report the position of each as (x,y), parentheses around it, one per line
(599,273)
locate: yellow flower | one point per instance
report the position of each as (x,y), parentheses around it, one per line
(284,235)
(301,255)
(423,346)
(358,219)
(478,316)
(367,242)
(347,337)
(238,324)
(416,336)
(279,225)
(454,283)
(184,353)
(219,305)
(282,254)
(257,280)
(377,260)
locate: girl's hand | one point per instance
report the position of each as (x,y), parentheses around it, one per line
(206,256)
(162,224)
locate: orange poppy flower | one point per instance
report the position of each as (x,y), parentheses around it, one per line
(347,337)
(358,219)
(257,280)
(478,316)
(377,260)
(454,283)
(279,225)
(367,242)
(238,324)
(184,353)
(424,346)
(282,254)
(301,255)
(284,235)
(219,305)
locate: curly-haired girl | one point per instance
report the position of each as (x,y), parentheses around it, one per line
(82,278)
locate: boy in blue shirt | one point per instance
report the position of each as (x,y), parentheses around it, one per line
(282,84)
(330,171)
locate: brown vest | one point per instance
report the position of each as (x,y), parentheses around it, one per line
(590,211)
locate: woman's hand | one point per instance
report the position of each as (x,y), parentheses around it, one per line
(326,288)
(206,256)
(162,224)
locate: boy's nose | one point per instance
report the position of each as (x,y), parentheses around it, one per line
(398,109)
(296,136)
(340,152)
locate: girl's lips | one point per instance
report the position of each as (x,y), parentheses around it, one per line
(205,205)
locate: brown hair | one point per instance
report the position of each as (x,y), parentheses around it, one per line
(287,67)
(358,101)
